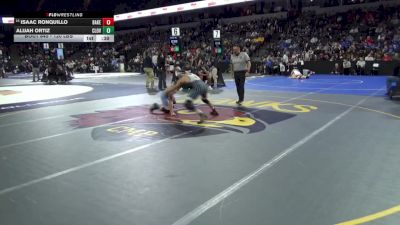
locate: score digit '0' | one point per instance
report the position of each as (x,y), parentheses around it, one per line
(108,21)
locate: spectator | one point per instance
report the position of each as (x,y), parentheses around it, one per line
(369,57)
(360,66)
(214,75)
(282,69)
(35,69)
(2,72)
(336,69)
(162,84)
(154,60)
(346,67)
(387,57)
(370,34)
(70,68)
(148,69)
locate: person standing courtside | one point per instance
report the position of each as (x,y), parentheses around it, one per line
(154,60)
(162,83)
(241,66)
(35,69)
(148,69)
(2,72)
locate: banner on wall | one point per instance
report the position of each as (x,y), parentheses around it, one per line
(164,10)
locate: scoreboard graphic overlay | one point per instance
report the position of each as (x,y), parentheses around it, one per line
(64,27)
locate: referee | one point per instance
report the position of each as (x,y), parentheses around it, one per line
(241,66)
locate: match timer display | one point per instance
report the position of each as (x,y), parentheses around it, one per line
(64,27)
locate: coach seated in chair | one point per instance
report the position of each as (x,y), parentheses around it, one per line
(395,78)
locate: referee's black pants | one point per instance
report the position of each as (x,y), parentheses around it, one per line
(240,78)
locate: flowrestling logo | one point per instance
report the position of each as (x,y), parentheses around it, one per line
(136,123)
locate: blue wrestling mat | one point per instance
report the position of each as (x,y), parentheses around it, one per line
(327,84)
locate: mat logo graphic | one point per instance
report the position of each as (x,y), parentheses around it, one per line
(276,106)
(131,131)
(136,123)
